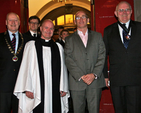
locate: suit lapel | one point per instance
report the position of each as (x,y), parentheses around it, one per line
(19,42)
(89,39)
(133,32)
(29,33)
(79,41)
(116,35)
(8,39)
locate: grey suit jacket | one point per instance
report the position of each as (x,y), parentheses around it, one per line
(81,61)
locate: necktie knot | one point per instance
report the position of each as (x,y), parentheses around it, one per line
(124,25)
(34,35)
(13,34)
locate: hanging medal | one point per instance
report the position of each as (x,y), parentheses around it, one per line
(126,30)
(15,58)
(128,37)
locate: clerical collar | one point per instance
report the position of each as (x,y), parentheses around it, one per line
(32,33)
(46,42)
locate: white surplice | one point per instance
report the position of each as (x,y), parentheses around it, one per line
(29,80)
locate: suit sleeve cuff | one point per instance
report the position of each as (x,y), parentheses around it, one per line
(95,76)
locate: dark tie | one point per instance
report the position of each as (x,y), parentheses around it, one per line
(125,40)
(13,41)
(34,35)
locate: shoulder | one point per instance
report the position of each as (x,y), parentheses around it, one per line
(27,33)
(111,26)
(30,44)
(136,23)
(95,35)
(71,36)
(26,37)
(2,34)
(59,46)
(93,32)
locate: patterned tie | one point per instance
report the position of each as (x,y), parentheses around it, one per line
(125,40)
(13,41)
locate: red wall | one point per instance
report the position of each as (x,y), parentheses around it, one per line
(104,16)
(16,6)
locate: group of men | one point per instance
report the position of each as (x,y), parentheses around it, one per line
(34,71)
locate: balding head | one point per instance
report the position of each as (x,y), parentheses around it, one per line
(12,22)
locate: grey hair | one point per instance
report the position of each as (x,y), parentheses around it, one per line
(123,2)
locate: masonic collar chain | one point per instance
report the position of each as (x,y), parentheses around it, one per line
(15,58)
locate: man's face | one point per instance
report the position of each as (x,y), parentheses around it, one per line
(47,30)
(64,34)
(33,25)
(123,12)
(81,20)
(12,22)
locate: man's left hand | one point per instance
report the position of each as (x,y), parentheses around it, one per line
(63,93)
(89,78)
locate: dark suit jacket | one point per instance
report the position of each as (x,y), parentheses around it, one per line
(81,61)
(125,64)
(8,68)
(30,37)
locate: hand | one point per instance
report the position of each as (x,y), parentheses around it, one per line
(62,93)
(88,79)
(106,81)
(29,94)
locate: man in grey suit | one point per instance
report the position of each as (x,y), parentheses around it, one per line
(85,57)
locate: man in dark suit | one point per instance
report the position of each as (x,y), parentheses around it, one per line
(59,35)
(85,57)
(123,46)
(64,33)
(34,23)
(11,49)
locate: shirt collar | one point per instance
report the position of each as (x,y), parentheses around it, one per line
(11,36)
(32,33)
(127,23)
(80,32)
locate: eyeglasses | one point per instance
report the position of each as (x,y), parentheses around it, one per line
(33,23)
(122,10)
(78,18)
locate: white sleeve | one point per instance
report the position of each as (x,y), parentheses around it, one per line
(28,80)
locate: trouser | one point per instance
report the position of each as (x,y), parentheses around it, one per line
(126,99)
(8,103)
(92,96)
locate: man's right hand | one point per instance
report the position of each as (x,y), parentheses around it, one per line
(29,94)
(106,82)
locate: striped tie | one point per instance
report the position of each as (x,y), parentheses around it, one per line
(13,41)
(126,41)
